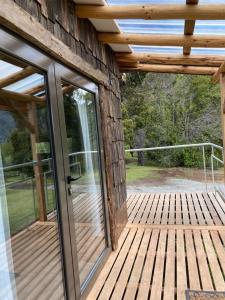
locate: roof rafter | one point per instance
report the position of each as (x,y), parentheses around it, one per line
(152,12)
(171,69)
(189,27)
(214,41)
(194,60)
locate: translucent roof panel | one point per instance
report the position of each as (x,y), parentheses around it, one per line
(162,49)
(210,27)
(208,51)
(7,69)
(26,83)
(152,26)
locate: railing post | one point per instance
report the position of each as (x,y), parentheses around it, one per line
(212,167)
(204,166)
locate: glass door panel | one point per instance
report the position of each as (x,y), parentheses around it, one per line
(85,181)
(30,252)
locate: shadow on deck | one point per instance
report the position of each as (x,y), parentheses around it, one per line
(172,243)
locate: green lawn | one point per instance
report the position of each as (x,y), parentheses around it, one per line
(22,207)
(135,172)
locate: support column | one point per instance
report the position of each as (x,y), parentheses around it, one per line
(222,93)
(39,180)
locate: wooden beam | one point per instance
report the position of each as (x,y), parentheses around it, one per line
(6,107)
(189,27)
(23,117)
(152,12)
(216,76)
(35,89)
(193,60)
(13,96)
(172,69)
(18,20)
(39,180)
(16,76)
(214,41)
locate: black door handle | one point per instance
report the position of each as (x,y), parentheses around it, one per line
(71,179)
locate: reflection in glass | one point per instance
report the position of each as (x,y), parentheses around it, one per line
(29,243)
(86,191)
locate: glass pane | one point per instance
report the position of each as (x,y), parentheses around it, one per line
(30,252)
(86,191)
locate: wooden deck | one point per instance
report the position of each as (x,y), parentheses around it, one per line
(173,242)
(36,252)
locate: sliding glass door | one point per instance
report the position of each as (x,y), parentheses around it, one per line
(30,251)
(84,177)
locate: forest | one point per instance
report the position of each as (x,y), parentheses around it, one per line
(170,109)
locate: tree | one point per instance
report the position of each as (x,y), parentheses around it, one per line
(169,109)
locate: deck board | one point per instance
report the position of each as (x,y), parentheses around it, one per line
(172,242)
(36,258)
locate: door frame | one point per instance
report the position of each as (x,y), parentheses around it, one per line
(64,73)
(22,50)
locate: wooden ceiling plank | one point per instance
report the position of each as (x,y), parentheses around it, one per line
(152,12)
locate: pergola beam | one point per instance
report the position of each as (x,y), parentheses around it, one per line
(216,76)
(171,69)
(17,76)
(22,98)
(214,41)
(168,59)
(189,27)
(152,12)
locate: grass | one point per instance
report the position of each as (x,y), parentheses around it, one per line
(135,172)
(23,207)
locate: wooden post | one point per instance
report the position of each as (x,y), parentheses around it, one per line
(222,92)
(37,167)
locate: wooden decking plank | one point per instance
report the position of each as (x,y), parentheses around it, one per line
(166,209)
(133,206)
(215,213)
(219,248)
(200,216)
(136,208)
(181,266)
(159,210)
(185,210)
(156,289)
(95,291)
(111,280)
(193,218)
(127,267)
(145,215)
(219,206)
(213,262)
(151,216)
(204,208)
(141,209)
(169,286)
(178,209)
(138,266)
(192,262)
(202,262)
(145,282)
(172,209)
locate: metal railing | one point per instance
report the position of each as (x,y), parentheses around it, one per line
(202,146)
